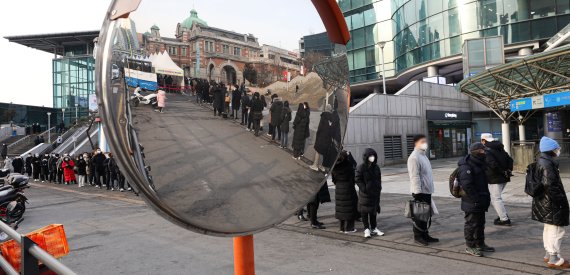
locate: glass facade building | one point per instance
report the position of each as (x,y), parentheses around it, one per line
(420,31)
(73,82)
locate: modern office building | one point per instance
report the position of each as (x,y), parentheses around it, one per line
(24,115)
(424,38)
(318,43)
(73,69)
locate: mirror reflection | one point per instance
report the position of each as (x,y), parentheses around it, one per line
(226,125)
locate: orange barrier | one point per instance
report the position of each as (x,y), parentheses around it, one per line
(50,238)
(244,263)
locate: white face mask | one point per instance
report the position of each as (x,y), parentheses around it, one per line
(423,146)
(371,158)
(557,152)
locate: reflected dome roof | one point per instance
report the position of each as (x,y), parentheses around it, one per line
(188,22)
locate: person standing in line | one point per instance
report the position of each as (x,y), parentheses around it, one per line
(256,112)
(36,167)
(300,131)
(236,102)
(271,126)
(369,180)
(81,164)
(550,206)
(112,170)
(44,166)
(99,168)
(275,117)
(68,166)
(284,124)
(477,199)
(60,177)
(313,206)
(499,169)
(52,167)
(218,98)
(346,199)
(323,139)
(245,105)
(29,160)
(421,185)
(18,164)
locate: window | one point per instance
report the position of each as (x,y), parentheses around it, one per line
(542,8)
(226,49)
(434,6)
(562,6)
(392,147)
(183,51)
(237,51)
(208,46)
(543,28)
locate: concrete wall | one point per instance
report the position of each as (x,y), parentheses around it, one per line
(398,115)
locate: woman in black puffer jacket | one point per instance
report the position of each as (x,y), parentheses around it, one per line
(368,179)
(551,205)
(346,199)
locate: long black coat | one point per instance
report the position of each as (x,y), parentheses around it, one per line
(285,119)
(346,199)
(369,180)
(81,165)
(18,164)
(473,180)
(498,163)
(236,99)
(551,206)
(323,195)
(301,130)
(328,139)
(218,98)
(276,110)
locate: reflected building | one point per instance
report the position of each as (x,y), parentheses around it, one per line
(207,52)
(424,38)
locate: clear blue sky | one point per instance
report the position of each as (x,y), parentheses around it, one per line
(25,73)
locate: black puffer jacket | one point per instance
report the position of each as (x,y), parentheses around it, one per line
(345,196)
(473,180)
(369,181)
(301,129)
(285,119)
(275,111)
(551,206)
(499,163)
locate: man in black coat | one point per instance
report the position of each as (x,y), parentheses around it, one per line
(475,203)
(29,160)
(245,106)
(236,101)
(369,180)
(4,151)
(256,112)
(99,165)
(275,117)
(18,164)
(499,168)
(218,100)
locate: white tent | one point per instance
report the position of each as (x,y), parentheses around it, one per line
(163,64)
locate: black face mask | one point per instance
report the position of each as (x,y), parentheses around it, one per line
(480,156)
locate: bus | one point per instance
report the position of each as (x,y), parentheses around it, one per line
(139,73)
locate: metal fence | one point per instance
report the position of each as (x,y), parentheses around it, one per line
(32,254)
(526,152)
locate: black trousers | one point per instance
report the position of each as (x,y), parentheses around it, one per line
(276,132)
(256,126)
(244,116)
(346,225)
(421,228)
(369,220)
(474,230)
(313,208)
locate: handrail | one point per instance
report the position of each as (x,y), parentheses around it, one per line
(37,252)
(29,137)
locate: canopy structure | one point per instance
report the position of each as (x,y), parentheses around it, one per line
(163,64)
(539,74)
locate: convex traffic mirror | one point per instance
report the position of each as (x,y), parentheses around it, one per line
(219,116)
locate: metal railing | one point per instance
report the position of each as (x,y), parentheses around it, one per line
(28,138)
(526,152)
(32,254)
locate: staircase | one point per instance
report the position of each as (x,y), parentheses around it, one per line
(11,139)
(24,144)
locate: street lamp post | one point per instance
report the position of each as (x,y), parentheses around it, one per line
(49,127)
(381,45)
(76,109)
(63,117)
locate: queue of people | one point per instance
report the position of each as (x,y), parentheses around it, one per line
(95,168)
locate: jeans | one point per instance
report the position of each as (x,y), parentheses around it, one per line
(369,220)
(474,230)
(81,180)
(421,228)
(552,238)
(496,191)
(284,139)
(235,112)
(256,126)
(276,132)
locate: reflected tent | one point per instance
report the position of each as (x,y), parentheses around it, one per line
(163,65)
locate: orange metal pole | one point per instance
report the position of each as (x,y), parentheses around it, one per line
(244,263)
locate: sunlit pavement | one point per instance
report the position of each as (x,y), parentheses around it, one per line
(116,233)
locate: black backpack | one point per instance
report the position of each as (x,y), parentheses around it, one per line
(454,185)
(532,186)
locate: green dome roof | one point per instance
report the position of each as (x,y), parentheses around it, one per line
(188,22)
(154,27)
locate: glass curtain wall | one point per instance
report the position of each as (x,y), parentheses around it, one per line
(73,82)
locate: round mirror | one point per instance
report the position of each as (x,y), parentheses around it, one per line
(221,117)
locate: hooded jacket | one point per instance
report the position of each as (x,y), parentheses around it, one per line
(473,180)
(285,119)
(420,172)
(550,207)
(346,199)
(301,129)
(499,163)
(276,110)
(369,181)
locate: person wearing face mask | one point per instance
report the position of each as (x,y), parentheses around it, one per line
(550,206)
(68,166)
(477,199)
(421,186)
(98,163)
(36,167)
(369,182)
(81,169)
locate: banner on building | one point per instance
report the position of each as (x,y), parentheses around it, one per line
(93,103)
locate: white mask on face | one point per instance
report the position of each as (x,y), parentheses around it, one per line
(371,158)
(423,146)
(557,152)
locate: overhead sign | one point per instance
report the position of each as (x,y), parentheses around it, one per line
(447,115)
(540,102)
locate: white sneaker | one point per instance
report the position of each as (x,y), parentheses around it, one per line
(367,233)
(315,168)
(377,231)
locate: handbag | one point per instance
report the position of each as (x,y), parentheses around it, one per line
(417,211)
